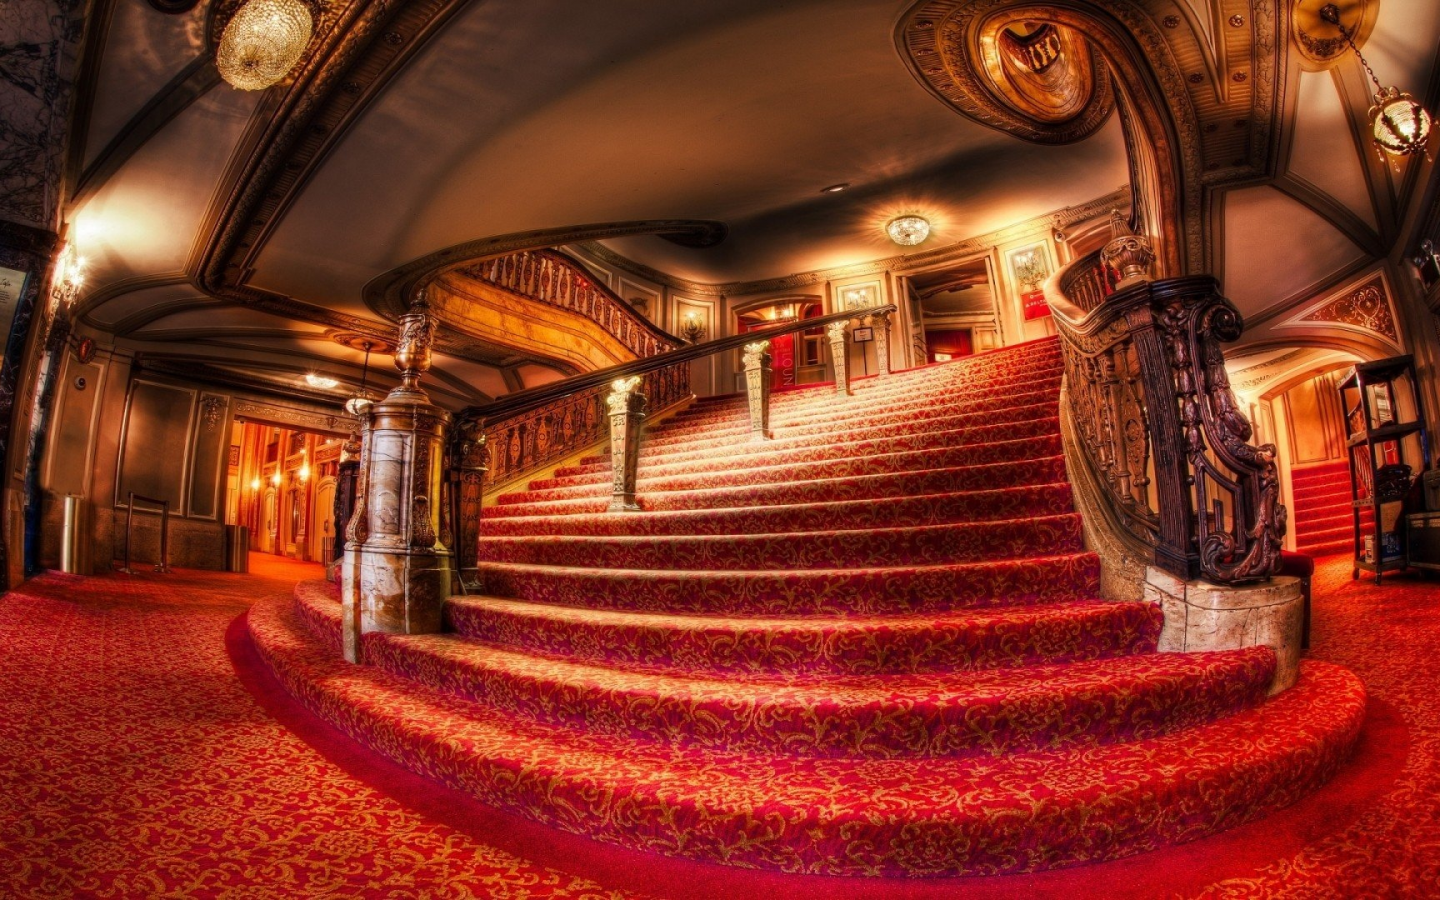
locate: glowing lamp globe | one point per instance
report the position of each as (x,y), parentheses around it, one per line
(907,231)
(1400,125)
(262,43)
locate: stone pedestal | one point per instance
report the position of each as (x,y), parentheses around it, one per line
(839,355)
(1203,616)
(627,412)
(397,570)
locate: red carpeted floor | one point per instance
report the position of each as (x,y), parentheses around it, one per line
(137,760)
(871,647)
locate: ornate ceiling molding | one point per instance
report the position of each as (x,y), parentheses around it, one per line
(901,263)
(1320,44)
(1365,307)
(984,60)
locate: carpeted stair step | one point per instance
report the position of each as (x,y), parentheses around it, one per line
(819,435)
(1314,527)
(884,590)
(1328,548)
(831,645)
(840,515)
(991,712)
(758,454)
(849,479)
(856,416)
(840,461)
(908,545)
(977,815)
(824,407)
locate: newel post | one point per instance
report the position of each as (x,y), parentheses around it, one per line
(839,355)
(627,411)
(398,555)
(468,461)
(757,388)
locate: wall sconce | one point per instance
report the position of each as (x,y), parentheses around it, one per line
(275,479)
(1398,125)
(255,484)
(691,328)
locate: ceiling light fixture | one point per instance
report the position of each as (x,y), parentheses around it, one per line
(907,231)
(1398,125)
(359,404)
(835,188)
(320,381)
(262,43)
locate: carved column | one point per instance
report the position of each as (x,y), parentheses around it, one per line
(400,564)
(757,388)
(469,461)
(839,355)
(627,411)
(880,322)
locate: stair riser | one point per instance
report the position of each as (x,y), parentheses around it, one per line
(1017,452)
(872,647)
(936,509)
(1083,713)
(759,454)
(800,593)
(857,418)
(931,545)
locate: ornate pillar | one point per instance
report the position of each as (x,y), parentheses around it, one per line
(468,462)
(627,411)
(397,559)
(880,322)
(839,354)
(757,388)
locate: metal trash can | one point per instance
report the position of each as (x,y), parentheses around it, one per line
(237,548)
(73,537)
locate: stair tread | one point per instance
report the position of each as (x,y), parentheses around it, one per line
(944,807)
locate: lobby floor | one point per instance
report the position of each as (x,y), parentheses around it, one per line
(144,753)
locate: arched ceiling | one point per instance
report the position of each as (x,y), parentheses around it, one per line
(501,116)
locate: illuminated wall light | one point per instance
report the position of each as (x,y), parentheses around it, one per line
(254,484)
(907,231)
(275,479)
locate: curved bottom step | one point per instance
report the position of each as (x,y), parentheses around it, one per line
(918,817)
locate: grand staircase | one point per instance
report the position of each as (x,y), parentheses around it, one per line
(1322,512)
(873,645)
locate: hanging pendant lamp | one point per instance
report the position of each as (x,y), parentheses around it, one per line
(1399,125)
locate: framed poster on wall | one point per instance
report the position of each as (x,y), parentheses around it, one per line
(1028,267)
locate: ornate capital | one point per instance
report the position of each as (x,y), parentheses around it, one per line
(836,332)
(413,349)
(1128,253)
(756,355)
(622,395)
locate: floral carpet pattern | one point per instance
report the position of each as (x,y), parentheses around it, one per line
(954,732)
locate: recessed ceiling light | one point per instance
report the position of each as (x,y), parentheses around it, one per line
(319,381)
(835,188)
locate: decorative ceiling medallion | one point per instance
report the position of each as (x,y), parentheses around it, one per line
(1321,44)
(1012,69)
(1363,306)
(357,341)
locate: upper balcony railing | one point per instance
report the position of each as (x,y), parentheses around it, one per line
(552,278)
(1159,428)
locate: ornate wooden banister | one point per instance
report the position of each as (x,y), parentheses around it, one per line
(1161,431)
(554,279)
(529,430)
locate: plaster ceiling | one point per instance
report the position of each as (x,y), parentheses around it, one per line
(521,114)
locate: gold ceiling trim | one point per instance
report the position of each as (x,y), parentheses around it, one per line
(1321,44)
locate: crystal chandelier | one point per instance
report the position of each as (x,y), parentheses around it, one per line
(907,231)
(263,42)
(1398,125)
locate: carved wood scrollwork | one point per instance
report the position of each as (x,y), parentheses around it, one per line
(1160,427)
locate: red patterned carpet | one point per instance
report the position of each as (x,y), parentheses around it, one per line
(135,763)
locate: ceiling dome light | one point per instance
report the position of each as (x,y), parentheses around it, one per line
(262,43)
(320,381)
(1401,126)
(907,231)
(835,188)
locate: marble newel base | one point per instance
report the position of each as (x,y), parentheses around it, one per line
(395,593)
(1204,616)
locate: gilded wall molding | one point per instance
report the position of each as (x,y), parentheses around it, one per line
(1366,307)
